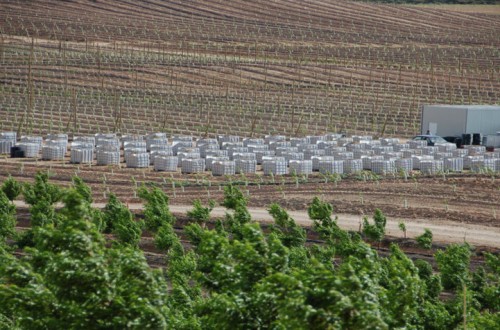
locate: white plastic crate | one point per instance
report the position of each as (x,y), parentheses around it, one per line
(138,160)
(176,145)
(358,154)
(383,167)
(455,164)
(156,142)
(229,145)
(245,166)
(166,163)
(282,150)
(53,153)
(327,144)
(274,138)
(32,139)
(193,165)
(237,150)
(316,159)
(408,153)
(276,167)
(82,155)
(108,157)
(367,161)
(431,167)
(401,146)
(331,167)
(492,155)
(253,142)
(85,139)
(449,147)
(430,150)
(392,155)
(110,148)
(161,147)
(295,142)
(417,159)
(205,148)
(244,156)
(476,150)
(443,155)
(380,150)
(353,165)
(289,156)
(497,165)
(304,147)
(228,138)
(131,138)
(105,136)
(343,155)
(481,165)
(263,153)
(308,154)
(355,146)
(216,153)
(389,141)
(159,153)
(301,166)
(131,151)
(188,155)
(333,150)
(404,164)
(220,168)
(31,150)
(5,146)
(108,143)
(257,147)
(12,136)
(469,160)
(460,152)
(417,144)
(279,144)
(211,159)
(314,139)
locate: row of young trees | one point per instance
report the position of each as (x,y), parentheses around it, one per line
(234,276)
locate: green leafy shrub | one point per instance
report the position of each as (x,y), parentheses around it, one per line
(425,240)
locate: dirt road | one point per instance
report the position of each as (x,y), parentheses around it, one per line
(444,231)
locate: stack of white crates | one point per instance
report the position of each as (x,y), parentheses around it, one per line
(276,167)
(245,166)
(383,167)
(193,165)
(431,167)
(331,167)
(404,164)
(139,160)
(220,168)
(31,150)
(301,166)
(108,157)
(455,164)
(53,152)
(166,163)
(82,155)
(353,166)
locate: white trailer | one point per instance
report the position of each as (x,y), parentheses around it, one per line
(455,120)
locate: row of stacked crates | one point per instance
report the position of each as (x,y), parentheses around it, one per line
(276,154)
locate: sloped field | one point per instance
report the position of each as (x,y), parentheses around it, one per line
(242,67)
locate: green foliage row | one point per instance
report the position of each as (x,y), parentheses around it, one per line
(235,276)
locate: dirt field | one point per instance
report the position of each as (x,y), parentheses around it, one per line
(241,67)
